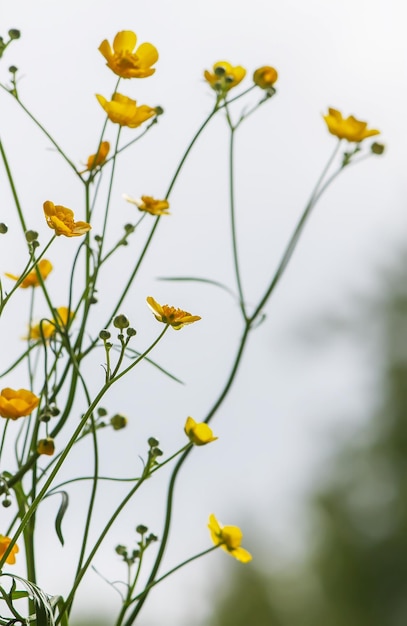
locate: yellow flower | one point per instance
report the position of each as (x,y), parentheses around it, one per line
(124,60)
(349,128)
(124,111)
(149,204)
(31,280)
(177,318)
(4,544)
(228,538)
(199,434)
(46,446)
(17,403)
(95,160)
(224,76)
(265,77)
(62,221)
(46,329)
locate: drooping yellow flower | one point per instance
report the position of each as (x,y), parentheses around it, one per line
(46,446)
(31,280)
(4,544)
(46,328)
(229,539)
(177,318)
(61,220)
(149,204)
(198,433)
(124,60)
(15,403)
(265,77)
(349,128)
(96,160)
(224,76)
(124,111)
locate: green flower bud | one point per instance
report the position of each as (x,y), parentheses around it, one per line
(118,421)
(13,33)
(31,236)
(141,529)
(121,321)
(377,148)
(131,332)
(152,442)
(3,228)
(104,335)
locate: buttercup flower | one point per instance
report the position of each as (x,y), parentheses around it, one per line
(95,160)
(229,538)
(349,128)
(199,434)
(46,329)
(177,318)
(4,544)
(31,280)
(265,77)
(61,220)
(124,111)
(46,446)
(124,60)
(149,204)
(224,76)
(17,403)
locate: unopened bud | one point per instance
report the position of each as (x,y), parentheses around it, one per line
(121,321)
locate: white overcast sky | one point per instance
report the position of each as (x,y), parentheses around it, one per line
(274,430)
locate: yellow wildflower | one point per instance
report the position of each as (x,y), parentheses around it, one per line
(96,160)
(177,318)
(4,544)
(199,434)
(228,538)
(224,76)
(31,280)
(46,329)
(349,128)
(15,403)
(46,446)
(124,60)
(61,220)
(149,204)
(124,111)
(265,77)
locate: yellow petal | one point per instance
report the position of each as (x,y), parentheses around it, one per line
(125,40)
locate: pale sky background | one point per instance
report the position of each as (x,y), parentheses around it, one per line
(292,394)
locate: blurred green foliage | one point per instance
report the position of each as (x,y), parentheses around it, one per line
(355,573)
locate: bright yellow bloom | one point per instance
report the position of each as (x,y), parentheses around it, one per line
(124,111)
(95,160)
(46,446)
(349,128)
(149,204)
(62,221)
(4,544)
(199,434)
(265,77)
(228,538)
(46,329)
(224,76)
(124,60)
(31,280)
(177,318)
(15,403)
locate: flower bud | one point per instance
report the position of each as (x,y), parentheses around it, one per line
(13,33)
(377,148)
(141,529)
(46,446)
(265,77)
(3,228)
(104,335)
(31,236)
(152,442)
(131,332)
(159,110)
(118,421)
(13,69)
(101,412)
(6,503)
(121,321)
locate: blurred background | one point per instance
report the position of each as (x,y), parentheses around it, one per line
(310,460)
